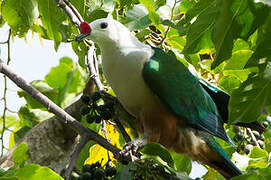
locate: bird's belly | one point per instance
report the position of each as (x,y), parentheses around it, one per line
(133,93)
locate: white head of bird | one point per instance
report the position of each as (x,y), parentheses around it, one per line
(108,33)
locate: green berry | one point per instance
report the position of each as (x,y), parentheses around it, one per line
(90,119)
(85,98)
(265,124)
(86,176)
(256,134)
(248,148)
(98,119)
(98,173)
(100,108)
(238,137)
(110,171)
(84,110)
(261,137)
(106,115)
(261,143)
(88,168)
(109,105)
(236,129)
(96,96)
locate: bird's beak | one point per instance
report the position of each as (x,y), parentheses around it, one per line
(80,37)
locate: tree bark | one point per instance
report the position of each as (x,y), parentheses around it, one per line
(50,142)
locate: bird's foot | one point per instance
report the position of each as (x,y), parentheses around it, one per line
(130,150)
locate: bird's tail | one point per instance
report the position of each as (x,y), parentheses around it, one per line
(220,161)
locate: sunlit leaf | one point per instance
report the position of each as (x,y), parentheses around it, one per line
(97,152)
(20,15)
(20,154)
(35,171)
(254,92)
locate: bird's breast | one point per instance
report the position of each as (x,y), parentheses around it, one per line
(124,74)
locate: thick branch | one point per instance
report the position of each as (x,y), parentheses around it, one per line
(59,112)
(75,18)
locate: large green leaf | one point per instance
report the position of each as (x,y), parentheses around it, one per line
(69,79)
(195,10)
(199,33)
(150,5)
(31,117)
(248,101)
(158,150)
(10,121)
(262,53)
(182,162)
(236,19)
(36,172)
(20,154)
(51,17)
(19,14)
(136,18)
(51,93)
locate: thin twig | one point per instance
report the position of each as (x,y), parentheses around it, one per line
(91,67)
(171,18)
(105,135)
(84,140)
(74,10)
(74,19)
(125,135)
(4,99)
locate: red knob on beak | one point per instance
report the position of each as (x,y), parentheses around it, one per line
(85,28)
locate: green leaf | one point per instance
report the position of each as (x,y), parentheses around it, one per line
(20,133)
(229,83)
(259,158)
(136,18)
(20,154)
(213,174)
(125,172)
(186,5)
(262,53)
(96,14)
(36,172)
(258,153)
(51,93)
(182,162)
(20,15)
(248,102)
(80,50)
(237,19)
(175,40)
(153,16)
(84,154)
(69,80)
(158,150)
(51,17)
(199,33)
(195,10)
(240,55)
(10,121)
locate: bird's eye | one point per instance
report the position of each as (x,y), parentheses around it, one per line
(104,25)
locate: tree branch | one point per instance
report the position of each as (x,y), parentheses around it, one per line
(84,140)
(69,10)
(59,112)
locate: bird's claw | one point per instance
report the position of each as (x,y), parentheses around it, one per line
(130,150)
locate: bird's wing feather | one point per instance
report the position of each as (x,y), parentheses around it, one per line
(182,93)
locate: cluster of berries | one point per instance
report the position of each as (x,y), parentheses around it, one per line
(96,172)
(245,140)
(94,112)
